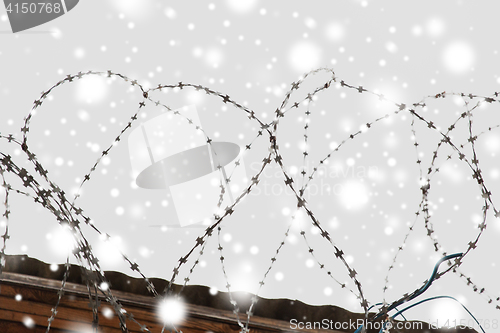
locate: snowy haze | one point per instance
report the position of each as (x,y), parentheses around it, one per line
(366,196)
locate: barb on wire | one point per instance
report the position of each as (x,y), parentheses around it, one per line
(39,186)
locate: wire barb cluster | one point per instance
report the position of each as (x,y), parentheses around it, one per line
(45,192)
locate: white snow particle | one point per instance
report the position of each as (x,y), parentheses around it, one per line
(310,23)
(59,161)
(171,13)
(435,27)
(119,211)
(309,263)
(28,322)
(107,312)
(79,53)
(458,57)
(241,6)
(304,56)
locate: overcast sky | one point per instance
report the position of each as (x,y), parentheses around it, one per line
(252,51)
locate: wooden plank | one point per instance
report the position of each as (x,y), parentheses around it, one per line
(41,322)
(40,295)
(15,327)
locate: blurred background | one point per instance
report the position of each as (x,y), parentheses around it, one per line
(252,51)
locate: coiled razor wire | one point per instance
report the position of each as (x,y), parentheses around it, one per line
(68,214)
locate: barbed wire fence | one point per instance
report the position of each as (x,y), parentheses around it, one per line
(38,186)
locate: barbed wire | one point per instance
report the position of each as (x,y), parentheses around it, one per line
(68,214)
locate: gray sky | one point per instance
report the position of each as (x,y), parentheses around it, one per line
(252,51)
